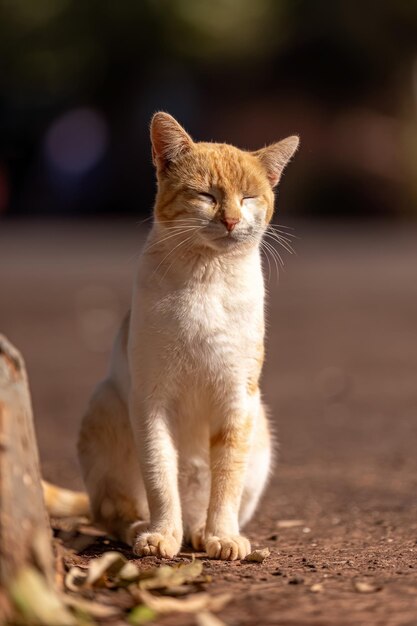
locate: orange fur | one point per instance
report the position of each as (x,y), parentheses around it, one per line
(64,502)
(177,434)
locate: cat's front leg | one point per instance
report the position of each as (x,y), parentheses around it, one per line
(229,451)
(158,461)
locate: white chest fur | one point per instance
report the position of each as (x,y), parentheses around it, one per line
(202,317)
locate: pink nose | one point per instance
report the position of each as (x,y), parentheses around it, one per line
(230,222)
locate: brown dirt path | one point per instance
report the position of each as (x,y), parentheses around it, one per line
(341,381)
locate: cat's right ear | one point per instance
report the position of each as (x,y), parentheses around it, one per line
(169,140)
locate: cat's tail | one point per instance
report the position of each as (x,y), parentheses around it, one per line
(64,502)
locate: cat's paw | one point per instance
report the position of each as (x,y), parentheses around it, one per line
(157,544)
(227,548)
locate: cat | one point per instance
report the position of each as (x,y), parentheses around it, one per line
(175,444)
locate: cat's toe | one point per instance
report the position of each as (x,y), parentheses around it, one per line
(227,548)
(156,544)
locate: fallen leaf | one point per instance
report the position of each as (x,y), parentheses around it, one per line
(37,602)
(180,590)
(217,603)
(109,564)
(141,614)
(129,572)
(191,604)
(366,587)
(290,523)
(208,619)
(258,556)
(95,609)
(166,576)
(76,578)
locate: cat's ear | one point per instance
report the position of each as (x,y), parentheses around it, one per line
(169,139)
(276,156)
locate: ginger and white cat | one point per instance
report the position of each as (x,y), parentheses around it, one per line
(175,443)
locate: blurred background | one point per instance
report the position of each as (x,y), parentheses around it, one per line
(79,82)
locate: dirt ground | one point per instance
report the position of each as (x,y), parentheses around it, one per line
(340,380)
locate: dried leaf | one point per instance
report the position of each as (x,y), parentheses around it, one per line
(129,573)
(109,564)
(290,523)
(76,578)
(37,602)
(141,614)
(366,587)
(258,556)
(191,604)
(217,603)
(95,609)
(208,619)
(166,576)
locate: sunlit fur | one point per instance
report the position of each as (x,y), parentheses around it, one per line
(175,442)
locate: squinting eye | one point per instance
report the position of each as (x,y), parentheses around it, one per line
(207,196)
(248,198)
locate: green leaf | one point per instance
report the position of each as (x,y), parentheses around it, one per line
(141,614)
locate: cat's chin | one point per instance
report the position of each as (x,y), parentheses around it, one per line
(230,243)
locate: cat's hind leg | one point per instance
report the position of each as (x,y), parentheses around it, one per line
(258,469)
(110,466)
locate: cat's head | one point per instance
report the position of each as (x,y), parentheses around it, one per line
(221,195)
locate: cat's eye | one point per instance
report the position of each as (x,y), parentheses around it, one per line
(208,197)
(248,198)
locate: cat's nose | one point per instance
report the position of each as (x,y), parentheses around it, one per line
(230,222)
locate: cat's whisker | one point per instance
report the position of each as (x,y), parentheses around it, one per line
(182,226)
(145,219)
(275,252)
(279,234)
(183,251)
(270,252)
(267,259)
(282,226)
(278,227)
(171,252)
(181,231)
(182,221)
(287,246)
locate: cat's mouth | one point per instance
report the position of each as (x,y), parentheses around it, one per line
(228,240)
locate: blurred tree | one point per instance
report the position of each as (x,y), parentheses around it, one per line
(244,69)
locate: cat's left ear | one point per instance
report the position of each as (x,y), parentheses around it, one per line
(169,139)
(275,157)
